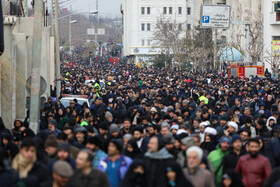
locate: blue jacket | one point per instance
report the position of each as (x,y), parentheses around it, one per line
(100,155)
(125,163)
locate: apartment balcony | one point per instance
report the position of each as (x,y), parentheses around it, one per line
(275,18)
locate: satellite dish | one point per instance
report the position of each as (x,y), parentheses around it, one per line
(43,85)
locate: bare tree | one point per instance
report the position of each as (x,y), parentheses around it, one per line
(274,61)
(256,44)
(199,46)
(168,36)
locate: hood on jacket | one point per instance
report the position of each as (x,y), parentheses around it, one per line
(161,154)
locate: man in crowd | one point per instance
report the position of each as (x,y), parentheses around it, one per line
(116,164)
(198,176)
(85,174)
(253,167)
(62,171)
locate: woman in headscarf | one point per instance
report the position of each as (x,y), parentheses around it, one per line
(208,144)
(135,175)
(132,150)
(174,176)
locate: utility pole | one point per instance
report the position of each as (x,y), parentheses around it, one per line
(57,55)
(215,48)
(36,64)
(25,8)
(52,31)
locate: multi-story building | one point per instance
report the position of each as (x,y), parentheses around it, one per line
(271,28)
(139,20)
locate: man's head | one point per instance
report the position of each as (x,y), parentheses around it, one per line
(153,144)
(194,156)
(94,143)
(225,143)
(137,133)
(28,149)
(232,127)
(52,125)
(69,132)
(126,124)
(254,147)
(63,151)
(51,145)
(245,135)
(115,147)
(84,159)
(165,129)
(236,142)
(62,171)
(80,134)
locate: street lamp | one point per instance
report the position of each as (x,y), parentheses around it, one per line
(70,29)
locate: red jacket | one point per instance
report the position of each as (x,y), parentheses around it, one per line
(254,170)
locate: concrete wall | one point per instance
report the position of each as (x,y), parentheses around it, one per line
(15,67)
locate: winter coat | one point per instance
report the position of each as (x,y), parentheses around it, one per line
(254,170)
(216,157)
(231,159)
(156,164)
(95,178)
(201,177)
(273,178)
(275,147)
(125,163)
(8,177)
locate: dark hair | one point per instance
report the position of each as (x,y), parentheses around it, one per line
(28,142)
(62,136)
(89,153)
(255,140)
(126,119)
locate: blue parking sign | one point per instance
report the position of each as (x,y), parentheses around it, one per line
(205,19)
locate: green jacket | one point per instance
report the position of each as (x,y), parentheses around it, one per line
(216,157)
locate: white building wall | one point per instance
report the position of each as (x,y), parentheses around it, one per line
(271,28)
(133,36)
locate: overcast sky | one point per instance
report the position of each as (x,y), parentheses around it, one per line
(107,8)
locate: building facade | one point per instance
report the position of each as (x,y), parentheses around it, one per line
(271,31)
(139,21)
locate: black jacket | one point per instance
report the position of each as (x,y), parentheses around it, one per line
(95,178)
(231,159)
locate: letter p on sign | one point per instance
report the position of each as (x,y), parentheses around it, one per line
(205,19)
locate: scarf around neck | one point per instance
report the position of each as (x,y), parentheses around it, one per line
(22,165)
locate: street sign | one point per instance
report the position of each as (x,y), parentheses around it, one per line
(96,31)
(215,16)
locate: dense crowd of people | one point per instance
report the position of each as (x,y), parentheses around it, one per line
(148,127)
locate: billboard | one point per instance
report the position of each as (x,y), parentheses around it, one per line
(215,16)
(94,31)
(275,47)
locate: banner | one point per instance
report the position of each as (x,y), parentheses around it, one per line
(275,47)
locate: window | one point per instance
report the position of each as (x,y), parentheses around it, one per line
(164,10)
(149,42)
(143,26)
(179,10)
(188,27)
(189,11)
(170,10)
(148,26)
(179,26)
(142,10)
(148,10)
(143,42)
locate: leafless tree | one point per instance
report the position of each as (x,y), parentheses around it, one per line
(200,48)
(274,61)
(168,36)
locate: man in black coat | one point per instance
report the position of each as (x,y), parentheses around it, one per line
(231,159)
(156,159)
